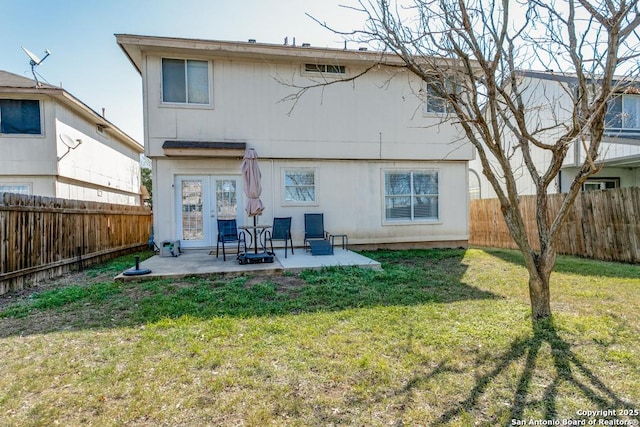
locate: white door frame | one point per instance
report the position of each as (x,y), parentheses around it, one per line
(212,196)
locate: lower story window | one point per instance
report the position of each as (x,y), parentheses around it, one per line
(601,184)
(15,188)
(299,186)
(411,195)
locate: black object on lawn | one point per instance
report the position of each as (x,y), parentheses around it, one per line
(137,271)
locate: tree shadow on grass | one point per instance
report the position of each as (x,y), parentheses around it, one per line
(569,370)
(409,278)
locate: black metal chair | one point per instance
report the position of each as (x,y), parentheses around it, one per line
(281,230)
(314,228)
(227,233)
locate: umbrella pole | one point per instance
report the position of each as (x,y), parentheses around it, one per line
(255,235)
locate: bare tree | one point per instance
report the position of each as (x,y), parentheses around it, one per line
(471,55)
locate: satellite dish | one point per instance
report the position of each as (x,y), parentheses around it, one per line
(69,142)
(34,61)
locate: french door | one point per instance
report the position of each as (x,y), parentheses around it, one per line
(200,201)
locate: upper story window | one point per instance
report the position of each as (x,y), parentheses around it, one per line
(435,103)
(20,116)
(185,81)
(411,195)
(325,68)
(623,113)
(299,186)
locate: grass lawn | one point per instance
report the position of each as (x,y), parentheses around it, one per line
(439,337)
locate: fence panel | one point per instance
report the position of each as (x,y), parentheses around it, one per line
(43,237)
(601,224)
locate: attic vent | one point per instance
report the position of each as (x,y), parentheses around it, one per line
(101,129)
(325,68)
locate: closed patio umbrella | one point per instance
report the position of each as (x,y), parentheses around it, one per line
(252,188)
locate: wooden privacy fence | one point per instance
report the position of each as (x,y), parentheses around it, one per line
(42,237)
(601,225)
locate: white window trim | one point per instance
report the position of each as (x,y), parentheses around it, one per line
(403,222)
(283,174)
(187,105)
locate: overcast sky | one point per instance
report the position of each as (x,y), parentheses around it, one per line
(88,63)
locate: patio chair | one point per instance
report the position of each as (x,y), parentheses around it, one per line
(281,230)
(227,233)
(314,231)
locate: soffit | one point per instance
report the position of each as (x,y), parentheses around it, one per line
(204,149)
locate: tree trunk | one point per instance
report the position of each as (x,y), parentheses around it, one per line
(540,296)
(540,268)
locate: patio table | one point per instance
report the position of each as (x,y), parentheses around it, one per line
(258,230)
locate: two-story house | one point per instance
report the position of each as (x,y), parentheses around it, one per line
(367,152)
(547,95)
(54,145)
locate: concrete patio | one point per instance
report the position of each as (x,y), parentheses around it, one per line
(205,263)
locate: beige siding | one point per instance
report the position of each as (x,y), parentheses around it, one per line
(101,168)
(30,154)
(379,116)
(349,193)
(349,133)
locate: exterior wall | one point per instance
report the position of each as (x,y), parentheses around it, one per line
(379,116)
(348,132)
(548,103)
(30,154)
(629,177)
(84,191)
(101,168)
(98,162)
(38,184)
(612,150)
(545,100)
(349,193)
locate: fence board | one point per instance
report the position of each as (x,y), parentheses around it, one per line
(601,225)
(42,237)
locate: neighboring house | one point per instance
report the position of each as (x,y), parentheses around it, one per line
(367,153)
(548,102)
(54,145)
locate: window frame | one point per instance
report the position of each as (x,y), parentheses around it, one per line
(618,117)
(412,219)
(285,172)
(27,186)
(319,71)
(186,103)
(426,90)
(601,182)
(22,134)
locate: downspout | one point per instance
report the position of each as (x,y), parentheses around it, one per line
(273,187)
